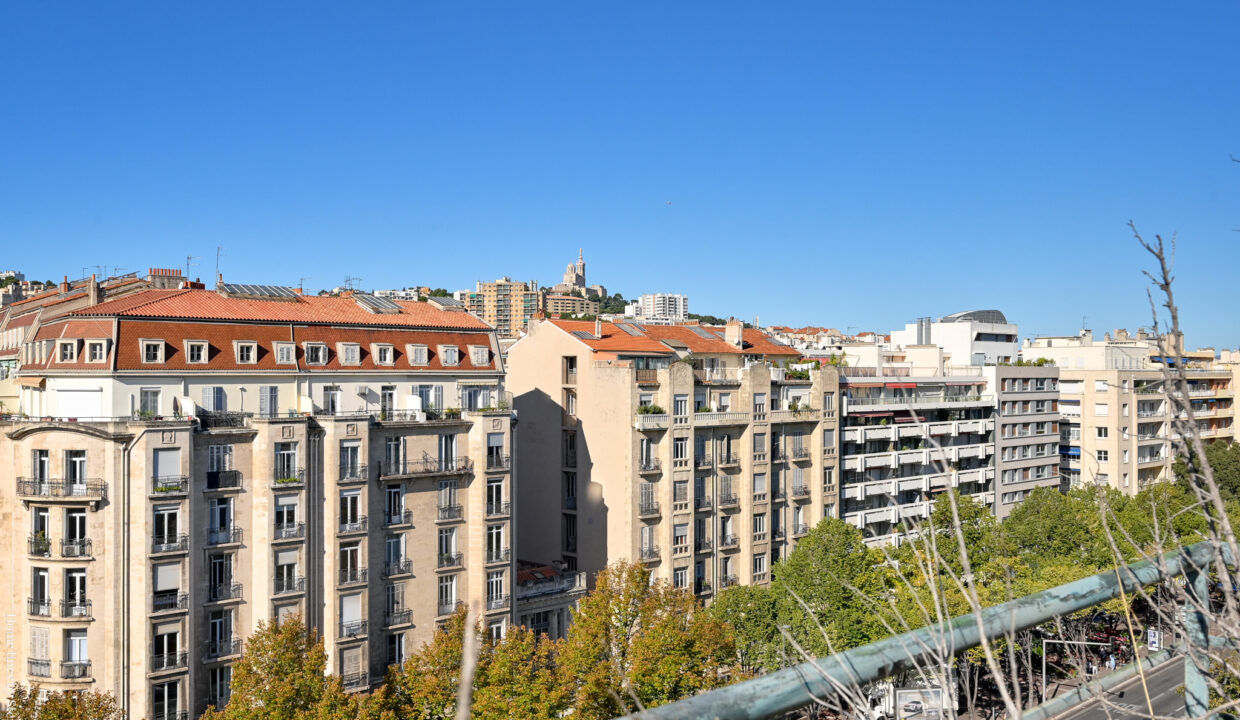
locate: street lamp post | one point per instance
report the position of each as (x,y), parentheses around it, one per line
(1045,641)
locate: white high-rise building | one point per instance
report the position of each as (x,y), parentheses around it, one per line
(667,307)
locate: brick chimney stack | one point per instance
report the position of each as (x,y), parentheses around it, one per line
(733,333)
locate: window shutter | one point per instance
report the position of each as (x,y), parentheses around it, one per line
(286,557)
(38,643)
(208,398)
(221,400)
(439,398)
(167,577)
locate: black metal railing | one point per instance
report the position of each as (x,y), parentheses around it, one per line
(450,607)
(169,661)
(650,552)
(428,466)
(286,585)
(208,419)
(353,628)
(397,616)
(402,517)
(353,576)
(404,566)
(800,529)
(703,462)
(702,502)
(287,476)
(220,536)
(72,608)
(225,591)
(701,587)
(497,509)
(728,541)
(450,512)
(495,602)
(353,680)
(169,543)
(290,531)
(727,581)
(350,473)
(498,462)
(356,525)
(41,607)
(75,669)
(498,555)
(451,560)
(76,548)
(38,668)
(701,544)
(224,479)
(169,484)
(729,500)
(648,508)
(85,489)
(223,648)
(162,600)
(38,546)
(728,459)
(650,465)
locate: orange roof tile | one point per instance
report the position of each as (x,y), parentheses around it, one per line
(308,309)
(661,338)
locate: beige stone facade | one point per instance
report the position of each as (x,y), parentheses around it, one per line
(569,305)
(707,471)
(505,304)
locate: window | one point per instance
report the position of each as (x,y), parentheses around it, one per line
(396,648)
(759,566)
(214,399)
(759,527)
(285,514)
(479,356)
(828,401)
(94,352)
(449,355)
(286,354)
(447,594)
(759,404)
(385,354)
(680,536)
(759,483)
(680,448)
(570,490)
(418,354)
(495,585)
(350,353)
(1102,431)
(68,351)
(268,401)
(350,507)
(219,685)
(196,352)
(680,405)
(1101,409)
(1103,456)
(331,400)
(152,351)
(316,354)
(148,401)
(759,443)
(1100,386)
(1125,458)
(495,542)
(680,577)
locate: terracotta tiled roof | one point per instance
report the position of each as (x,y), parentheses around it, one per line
(21,321)
(79,329)
(210,305)
(663,338)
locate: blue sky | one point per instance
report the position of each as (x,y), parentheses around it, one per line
(845,164)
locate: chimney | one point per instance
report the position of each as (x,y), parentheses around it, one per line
(598,327)
(93,294)
(733,333)
(64,284)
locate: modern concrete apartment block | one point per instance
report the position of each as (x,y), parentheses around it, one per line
(506,304)
(1027,433)
(194,462)
(691,449)
(1116,405)
(974,337)
(913,427)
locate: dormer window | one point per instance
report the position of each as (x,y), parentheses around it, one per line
(196,352)
(449,355)
(479,355)
(350,353)
(247,353)
(152,351)
(95,352)
(286,354)
(384,354)
(418,354)
(316,354)
(68,351)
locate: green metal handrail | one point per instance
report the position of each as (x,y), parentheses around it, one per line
(795,687)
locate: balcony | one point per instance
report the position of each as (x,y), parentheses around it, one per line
(702,502)
(39,607)
(287,478)
(209,419)
(648,509)
(646,377)
(729,460)
(398,616)
(287,585)
(650,553)
(169,661)
(800,492)
(499,509)
(38,668)
(800,530)
(289,531)
(449,607)
(352,681)
(702,545)
(566,582)
(448,561)
(225,535)
(354,526)
(717,376)
(498,555)
(399,517)
(404,566)
(449,513)
(351,474)
(353,576)
(92,491)
(222,648)
(728,500)
(38,546)
(166,485)
(75,669)
(720,419)
(703,462)
(702,587)
(649,466)
(427,466)
(224,591)
(728,542)
(680,546)
(76,548)
(353,629)
(224,480)
(727,581)
(166,600)
(498,463)
(805,414)
(650,421)
(497,602)
(80,609)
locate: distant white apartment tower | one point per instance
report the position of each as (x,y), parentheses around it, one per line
(669,307)
(974,337)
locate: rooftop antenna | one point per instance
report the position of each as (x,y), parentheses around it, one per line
(189,259)
(1083,319)
(350,282)
(219,249)
(301,283)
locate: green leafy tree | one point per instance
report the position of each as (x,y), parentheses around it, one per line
(282,676)
(425,685)
(635,643)
(750,611)
(520,678)
(25,704)
(1224,459)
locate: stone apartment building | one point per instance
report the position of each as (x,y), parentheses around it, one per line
(1116,407)
(506,304)
(192,462)
(691,449)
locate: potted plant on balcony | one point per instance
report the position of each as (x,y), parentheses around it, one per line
(452,413)
(41,545)
(650,410)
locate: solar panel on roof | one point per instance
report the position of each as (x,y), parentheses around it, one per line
(697,330)
(376,304)
(583,335)
(275,291)
(448,302)
(630,329)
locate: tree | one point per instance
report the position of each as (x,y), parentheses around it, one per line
(281,676)
(440,292)
(425,685)
(1224,459)
(751,613)
(520,678)
(633,643)
(25,704)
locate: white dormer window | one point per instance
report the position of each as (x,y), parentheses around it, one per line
(449,355)
(316,354)
(196,352)
(350,353)
(479,355)
(95,352)
(152,351)
(67,351)
(286,354)
(247,353)
(384,354)
(418,354)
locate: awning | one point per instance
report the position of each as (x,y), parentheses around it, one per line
(902,386)
(32,382)
(1069,450)
(874,414)
(906,418)
(863,384)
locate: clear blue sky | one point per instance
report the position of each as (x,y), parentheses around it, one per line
(846,164)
